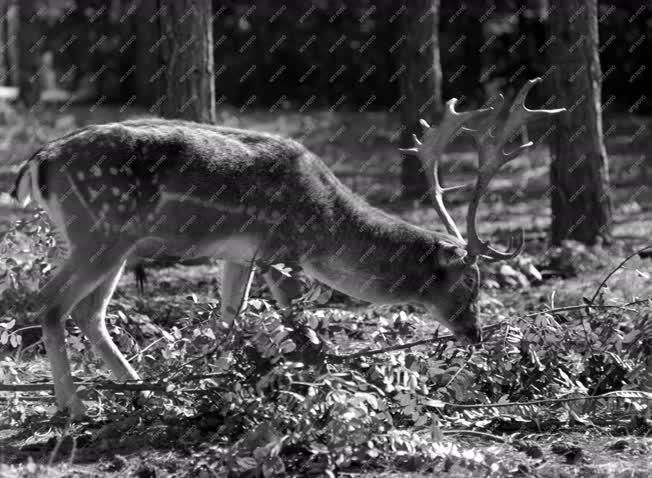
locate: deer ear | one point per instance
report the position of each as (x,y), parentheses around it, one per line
(451,256)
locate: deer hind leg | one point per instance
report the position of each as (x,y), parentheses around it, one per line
(283,288)
(90,314)
(77,277)
(236,282)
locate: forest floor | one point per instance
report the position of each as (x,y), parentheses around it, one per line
(558,354)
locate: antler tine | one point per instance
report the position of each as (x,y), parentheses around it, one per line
(476,246)
(491,158)
(483,131)
(430,149)
(496,256)
(520,114)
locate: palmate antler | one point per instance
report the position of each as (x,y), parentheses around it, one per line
(430,149)
(490,139)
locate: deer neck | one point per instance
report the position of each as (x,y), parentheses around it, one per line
(377,257)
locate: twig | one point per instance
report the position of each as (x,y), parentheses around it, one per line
(622,263)
(13,332)
(205,376)
(570,308)
(28,399)
(47,386)
(474,433)
(131,385)
(459,370)
(546,401)
(392,348)
(149,346)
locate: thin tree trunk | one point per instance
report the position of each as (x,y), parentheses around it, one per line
(12,43)
(421,84)
(145,23)
(532,25)
(462,52)
(581,205)
(260,20)
(3,42)
(30,39)
(188,89)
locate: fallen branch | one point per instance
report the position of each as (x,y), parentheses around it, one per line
(473,433)
(47,386)
(28,398)
(128,386)
(630,394)
(336,358)
(570,308)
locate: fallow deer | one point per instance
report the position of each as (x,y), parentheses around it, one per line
(155,188)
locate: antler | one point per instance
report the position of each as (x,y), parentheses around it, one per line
(430,149)
(481,124)
(491,158)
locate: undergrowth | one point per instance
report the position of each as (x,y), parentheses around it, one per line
(306,393)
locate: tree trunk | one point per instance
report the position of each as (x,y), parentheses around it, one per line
(262,55)
(581,205)
(30,38)
(3,42)
(421,84)
(147,84)
(186,53)
(533,24)
(462,40)
(12,43)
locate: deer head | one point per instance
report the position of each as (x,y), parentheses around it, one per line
(460,312)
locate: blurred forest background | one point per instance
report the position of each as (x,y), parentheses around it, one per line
(293,54)
(349,80)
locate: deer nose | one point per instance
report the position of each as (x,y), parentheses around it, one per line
(469,335)
(475,335)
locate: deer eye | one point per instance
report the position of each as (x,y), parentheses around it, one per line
(467,281)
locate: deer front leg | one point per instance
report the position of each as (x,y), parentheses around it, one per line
(236,282)
(283,288)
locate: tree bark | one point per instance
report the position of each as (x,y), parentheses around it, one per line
(462,39)
(3,42)
(186,51)
(147,85)
(262,55)
(420,84)
(12,43)
(581,204)
(30,39)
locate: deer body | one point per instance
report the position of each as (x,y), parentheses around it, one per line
(180,190)
(161,189)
